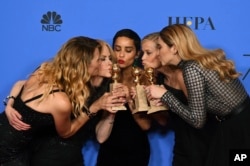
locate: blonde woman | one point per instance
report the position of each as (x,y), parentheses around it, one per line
(212,86)
(57,91)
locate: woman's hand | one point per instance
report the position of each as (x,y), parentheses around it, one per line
(109,100)
(15,119)
(155,91)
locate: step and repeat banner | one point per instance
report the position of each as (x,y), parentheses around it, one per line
(33,31)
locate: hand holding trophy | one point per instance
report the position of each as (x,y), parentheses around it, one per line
(141,102)
(115,78)
(153,107)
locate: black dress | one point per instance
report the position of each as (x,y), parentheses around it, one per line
(208,95)
(127,144)
(50,150)
(14,143)
(191,145)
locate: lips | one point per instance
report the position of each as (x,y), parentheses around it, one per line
(121,61)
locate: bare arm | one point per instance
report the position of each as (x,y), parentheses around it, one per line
(15,119)
(66,127)
(105,126)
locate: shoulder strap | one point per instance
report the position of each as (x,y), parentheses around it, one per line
(38,96)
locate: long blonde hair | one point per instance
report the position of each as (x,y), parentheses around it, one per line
(68,71)
(189,48)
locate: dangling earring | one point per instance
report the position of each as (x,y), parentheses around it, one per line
(137,60)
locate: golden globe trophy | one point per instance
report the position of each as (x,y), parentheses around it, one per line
(141,102)
(153,108)
(115,78)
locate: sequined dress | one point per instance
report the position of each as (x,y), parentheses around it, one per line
(14,143)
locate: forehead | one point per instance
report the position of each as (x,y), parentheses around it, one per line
(96,53)
(148,43)
(160,41)
(105,50)
(124,42)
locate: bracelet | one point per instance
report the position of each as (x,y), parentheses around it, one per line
(5,101)
(90,114)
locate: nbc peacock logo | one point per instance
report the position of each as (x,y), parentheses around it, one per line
(51,21)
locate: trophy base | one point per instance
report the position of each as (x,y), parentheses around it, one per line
(119,108)
(154,109)
(141,102)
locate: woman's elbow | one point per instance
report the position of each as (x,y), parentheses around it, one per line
(199,125)
(101,140)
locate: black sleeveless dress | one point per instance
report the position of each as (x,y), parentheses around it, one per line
(127,144)
(191,144)
(14,143)
(50,150)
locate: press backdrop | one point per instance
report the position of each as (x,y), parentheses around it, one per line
(33,31)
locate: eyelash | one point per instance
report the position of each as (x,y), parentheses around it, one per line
(103,59)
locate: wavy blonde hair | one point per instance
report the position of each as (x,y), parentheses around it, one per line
(68,71)
(189,48)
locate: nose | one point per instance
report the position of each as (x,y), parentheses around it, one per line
(143,56)
(121,54)
(110,62)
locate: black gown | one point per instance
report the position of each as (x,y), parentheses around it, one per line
(209,97)
(127,144)
(14,143)
(50,150)
(191,145)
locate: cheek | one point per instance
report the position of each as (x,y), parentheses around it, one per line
(130,59)
(101,66)
(93,69)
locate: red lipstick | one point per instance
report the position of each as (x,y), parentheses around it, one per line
(121,61)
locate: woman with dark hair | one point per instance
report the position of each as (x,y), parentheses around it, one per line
(122,135)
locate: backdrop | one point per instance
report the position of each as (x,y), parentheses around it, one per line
(33,31)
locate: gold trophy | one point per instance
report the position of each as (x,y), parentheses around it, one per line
(153,108)
(115,78)
(141,103)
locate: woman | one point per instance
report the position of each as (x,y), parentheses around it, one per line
(48,148)
(188,147)
(213,87)
(50,96)
(122,136)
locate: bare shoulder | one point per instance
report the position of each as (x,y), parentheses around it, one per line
(61,102)
(20,83)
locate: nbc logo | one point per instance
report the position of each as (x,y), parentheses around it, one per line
(51,21)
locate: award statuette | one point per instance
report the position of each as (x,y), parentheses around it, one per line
(153,108)
(115,78)
(141,102)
